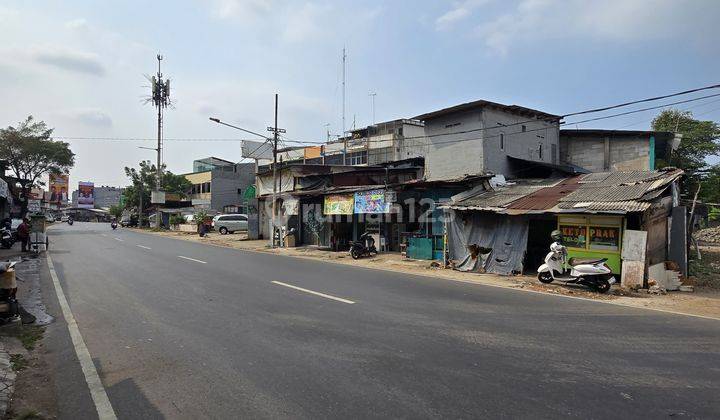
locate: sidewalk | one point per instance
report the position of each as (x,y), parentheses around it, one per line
(703,302)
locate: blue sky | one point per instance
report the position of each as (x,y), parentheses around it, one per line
(80,65)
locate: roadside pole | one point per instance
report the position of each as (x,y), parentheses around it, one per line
(274,196)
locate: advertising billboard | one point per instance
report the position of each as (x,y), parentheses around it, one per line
(370,202)
(58,188)
(339,204)
(86,195)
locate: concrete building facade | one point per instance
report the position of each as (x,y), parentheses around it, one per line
(616,150)
(222,187)
(104,196)
(479,137)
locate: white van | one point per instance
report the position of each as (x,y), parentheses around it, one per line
(229,223)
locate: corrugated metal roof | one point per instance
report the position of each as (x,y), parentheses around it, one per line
(626,206)
(621,177)
(546,198)
(506,194)
(625,191)
(607,193)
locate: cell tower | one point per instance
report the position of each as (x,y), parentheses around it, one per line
(161,99)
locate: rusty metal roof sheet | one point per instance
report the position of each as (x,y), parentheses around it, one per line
(506,194)
(546,198)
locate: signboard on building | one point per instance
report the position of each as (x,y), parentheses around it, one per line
(372,202)
(256,149)
(157,197)
(339,204)
(86,195)
(58,185)
(33,206)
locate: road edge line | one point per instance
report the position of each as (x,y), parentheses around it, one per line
(97,389)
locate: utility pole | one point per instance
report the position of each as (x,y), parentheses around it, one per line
(344,58)
(275,131)
(140,209)
(161,99)
(372,105)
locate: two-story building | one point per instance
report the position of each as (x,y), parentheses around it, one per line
(220,185)
(483,137)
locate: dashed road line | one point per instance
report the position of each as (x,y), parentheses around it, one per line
(118,239)
(143,247)
(191,259)
(312,292)
(97,390)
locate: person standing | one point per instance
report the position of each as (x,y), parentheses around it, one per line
(23,232)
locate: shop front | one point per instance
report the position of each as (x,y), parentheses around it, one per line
(593,237)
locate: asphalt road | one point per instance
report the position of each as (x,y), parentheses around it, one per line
(182,330)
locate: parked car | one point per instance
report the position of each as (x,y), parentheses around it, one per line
(229,223)
(129,221)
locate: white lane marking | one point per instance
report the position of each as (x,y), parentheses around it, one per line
(144,247)
(314,292)
(97,390)
(191,259)
(118,239)
(102,234)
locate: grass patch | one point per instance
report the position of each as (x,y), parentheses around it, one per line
(707,270)
(29,415)
(27,334)
(18,362)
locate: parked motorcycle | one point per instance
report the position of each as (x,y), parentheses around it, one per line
(113,225)
(7,239)
(8,290)
(70,221)
(364,247)
(591,272)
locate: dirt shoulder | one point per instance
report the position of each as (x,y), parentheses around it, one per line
(705,301)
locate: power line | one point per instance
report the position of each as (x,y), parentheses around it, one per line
(656,98)
(643,109)
(480,129)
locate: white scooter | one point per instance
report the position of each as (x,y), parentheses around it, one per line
(593,273)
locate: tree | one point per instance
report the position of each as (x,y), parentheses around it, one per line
(699,141)
(31,153)
(116,211)
(145,179)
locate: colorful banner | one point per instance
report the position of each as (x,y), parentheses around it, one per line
(372,201)
(339,204)
(58,188)
(86,195)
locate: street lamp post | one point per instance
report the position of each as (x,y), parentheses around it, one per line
(274,142)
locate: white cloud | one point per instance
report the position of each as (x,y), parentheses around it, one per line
(92,117)
(70,60)
(305,24)
(460,11)
(535,21)
(242,9)
(77,24)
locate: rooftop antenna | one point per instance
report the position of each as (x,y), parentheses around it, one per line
(372,105)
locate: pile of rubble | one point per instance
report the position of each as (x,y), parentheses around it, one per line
(711,235)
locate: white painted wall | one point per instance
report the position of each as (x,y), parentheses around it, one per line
(454,155)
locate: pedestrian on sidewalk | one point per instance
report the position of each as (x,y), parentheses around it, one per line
(23,232)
